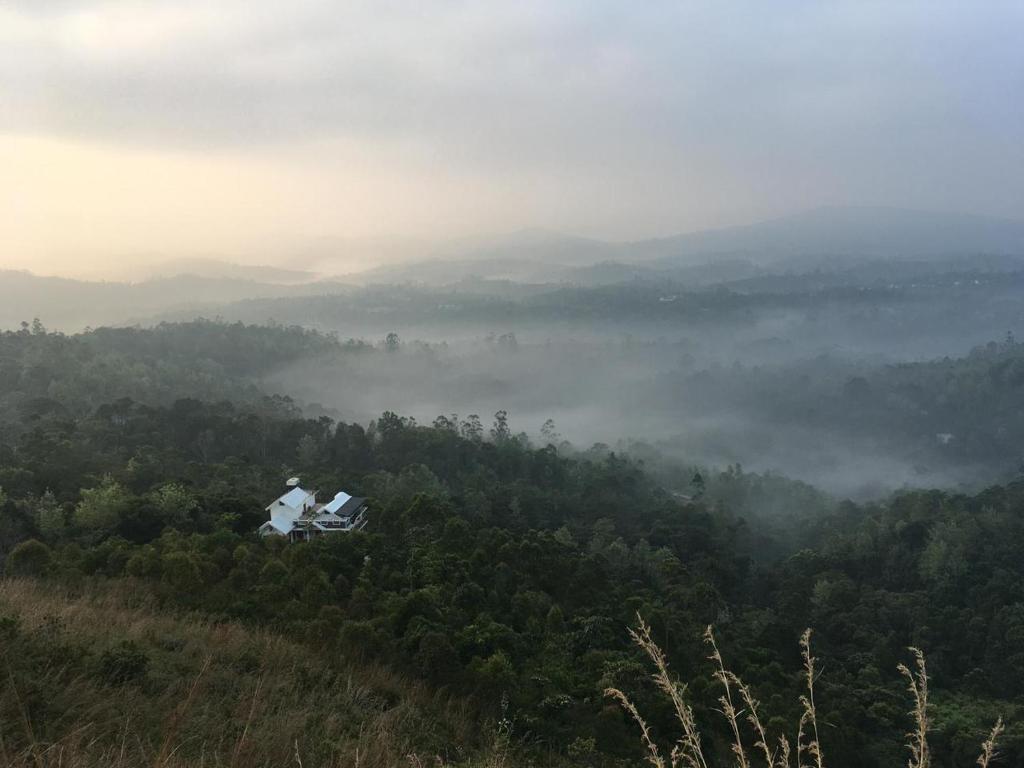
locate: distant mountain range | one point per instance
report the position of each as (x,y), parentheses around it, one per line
(816,238)
(64,304)
(865,231)
(215,269)
(824,239)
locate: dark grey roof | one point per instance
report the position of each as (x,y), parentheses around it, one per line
(351,507)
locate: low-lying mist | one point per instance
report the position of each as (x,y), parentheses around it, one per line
(860,375)
(855,427)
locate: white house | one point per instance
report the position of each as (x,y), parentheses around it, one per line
(298,516)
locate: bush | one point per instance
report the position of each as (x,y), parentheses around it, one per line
(30,558)
(124,663)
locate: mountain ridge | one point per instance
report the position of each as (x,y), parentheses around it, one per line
(814,237)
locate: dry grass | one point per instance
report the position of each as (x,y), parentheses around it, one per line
(687,750)
(737,705)
(220,695)
(988,747)
(216,694)
(810,714)
(917,683)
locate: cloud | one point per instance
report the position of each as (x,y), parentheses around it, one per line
(453,72)
(610,117)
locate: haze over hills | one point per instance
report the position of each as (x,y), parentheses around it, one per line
(865,231)
(215,269)
(70,305)
(816,237)
(861,246)
(643,346)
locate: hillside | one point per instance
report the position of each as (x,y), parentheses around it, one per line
(499,573)
(99,674)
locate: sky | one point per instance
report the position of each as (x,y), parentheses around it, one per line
(248,129)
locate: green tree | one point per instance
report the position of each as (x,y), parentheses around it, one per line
(437,658)
(175,503)
(697,485)
(181,572)
(103,507)
(49,514)
(308,451)
(549,433)
(472,428)
(495,673)
(500,431)
(944,559)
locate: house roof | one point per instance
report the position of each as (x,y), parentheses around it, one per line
(278,524)
(339,500)
(343,505)
(281,523)
(295,498)
(351,507)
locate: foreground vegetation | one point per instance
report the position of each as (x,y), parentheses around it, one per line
(741,711)
(97,675)
(487,599)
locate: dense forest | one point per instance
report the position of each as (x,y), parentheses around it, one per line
(490,593)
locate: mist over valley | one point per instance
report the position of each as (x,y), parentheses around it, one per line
(820,365)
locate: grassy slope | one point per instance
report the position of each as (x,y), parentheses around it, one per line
(204,693)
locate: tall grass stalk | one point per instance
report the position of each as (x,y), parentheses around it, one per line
(809,753)
(725,700)
(810,713)
(988,746)
(687,750)
(917,683)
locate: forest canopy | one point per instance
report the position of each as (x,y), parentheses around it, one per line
(500,569)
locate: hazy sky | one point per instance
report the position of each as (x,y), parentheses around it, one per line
(249,127)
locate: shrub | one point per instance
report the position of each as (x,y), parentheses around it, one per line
(30,558)
(124,663)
